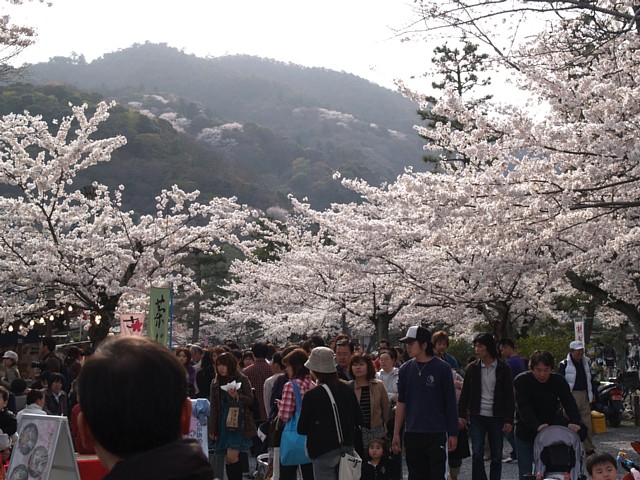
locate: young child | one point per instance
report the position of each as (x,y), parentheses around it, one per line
(375,468)
(603,466)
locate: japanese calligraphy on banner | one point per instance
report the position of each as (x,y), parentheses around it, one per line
(159,315)
(578,327)
(131,323)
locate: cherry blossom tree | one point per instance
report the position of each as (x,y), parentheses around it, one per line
(13,39)
(65,245)
(545,205)
(565,168)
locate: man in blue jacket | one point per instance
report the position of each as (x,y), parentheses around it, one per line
(427,407)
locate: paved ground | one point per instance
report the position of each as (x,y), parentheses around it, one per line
(614,440)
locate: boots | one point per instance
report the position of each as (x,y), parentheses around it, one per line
(234,471)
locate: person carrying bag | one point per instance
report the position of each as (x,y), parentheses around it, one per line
(293,450)
(292,444)
(350,466)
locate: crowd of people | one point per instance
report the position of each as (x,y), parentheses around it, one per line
(413,401)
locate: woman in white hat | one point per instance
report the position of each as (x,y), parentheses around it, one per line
(10,362)
(317,419)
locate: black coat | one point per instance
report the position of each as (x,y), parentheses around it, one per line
(318,422)
(503,397)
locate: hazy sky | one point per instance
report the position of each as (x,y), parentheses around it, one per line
(356,36)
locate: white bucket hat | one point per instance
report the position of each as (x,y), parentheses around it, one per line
(321,360)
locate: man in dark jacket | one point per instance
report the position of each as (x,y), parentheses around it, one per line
(487,403)
(539,395)
(134,409)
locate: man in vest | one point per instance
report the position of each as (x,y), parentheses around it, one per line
(575,369)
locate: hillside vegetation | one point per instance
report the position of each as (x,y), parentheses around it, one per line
(238,125)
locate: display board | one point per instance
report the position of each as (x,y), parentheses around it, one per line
(44,450)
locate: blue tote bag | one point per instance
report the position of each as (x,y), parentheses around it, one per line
(293,449)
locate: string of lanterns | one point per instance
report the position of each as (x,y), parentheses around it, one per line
(25,327)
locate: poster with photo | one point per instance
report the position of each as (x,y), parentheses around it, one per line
(44,450)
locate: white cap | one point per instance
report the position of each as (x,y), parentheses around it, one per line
(576,345)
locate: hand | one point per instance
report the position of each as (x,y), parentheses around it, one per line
(453,443)
(461,423)
(233,393)
(395,445)
(543,426)
(278,403)
(574,427)
(506,428)
(213,436)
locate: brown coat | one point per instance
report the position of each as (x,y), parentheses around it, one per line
(379,402)
(245,396)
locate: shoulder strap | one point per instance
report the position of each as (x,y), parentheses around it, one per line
(336,416)
(296,392)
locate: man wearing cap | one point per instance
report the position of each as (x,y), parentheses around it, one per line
(10,362)
(575,369)
(427,407)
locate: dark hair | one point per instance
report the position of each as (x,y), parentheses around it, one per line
(196,348)
(360,358)
(247,354)
(440,336)
(56,377)
(18,385)
(260,350)
(543,357)
(231,344)
(216,351)
(205,361)
(600,458)
(296,361)
(345,343)
(317,341)
(379,441)
(73,353)
(277,359)
(386,342)
(508,342)
(331,379)
(230,361)
(110,387)
(488,341)
(33,395)
(187,353)
(392,352)
(4,393)
(50,343)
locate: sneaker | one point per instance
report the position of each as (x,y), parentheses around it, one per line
(510,460)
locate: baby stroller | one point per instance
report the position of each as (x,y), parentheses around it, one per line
(557,451)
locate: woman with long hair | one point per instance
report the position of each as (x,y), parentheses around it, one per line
(317,420)
(205,375)
(231,424)
(372,397)
(298,373)
(184,356)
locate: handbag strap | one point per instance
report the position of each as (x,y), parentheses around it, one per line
(296,392)
(336,416)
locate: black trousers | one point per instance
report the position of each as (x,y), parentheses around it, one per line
(426,455)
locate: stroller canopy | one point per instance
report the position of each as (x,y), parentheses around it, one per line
(557,450)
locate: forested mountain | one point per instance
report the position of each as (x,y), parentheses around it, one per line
(276,128)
